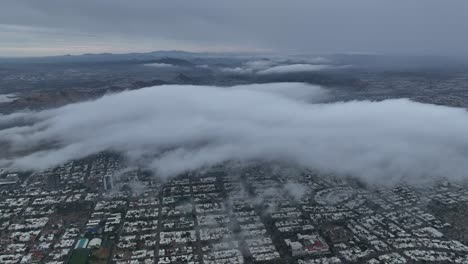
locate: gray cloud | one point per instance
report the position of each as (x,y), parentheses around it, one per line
(175,129)
(49,26)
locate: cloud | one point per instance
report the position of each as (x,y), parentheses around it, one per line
(159,65)
(174,128)
(5,98)
(296,190)
(319,60)
(280,66)
(259,64)
(283,65)
(250,67)
(237,70)
(294,68)
(296,91)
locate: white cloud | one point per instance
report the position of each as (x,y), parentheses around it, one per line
(319,60)
(160,65)
(259,64)
(294,68)
(237,70)
(5,98)
(250,67)
(298,91)
(178,127)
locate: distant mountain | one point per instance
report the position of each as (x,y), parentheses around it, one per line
(184,79)
(177,54)
(111,57)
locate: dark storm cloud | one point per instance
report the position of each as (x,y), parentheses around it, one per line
(430,26)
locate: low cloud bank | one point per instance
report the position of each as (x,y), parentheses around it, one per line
(295,68)
(5,98)
(174,128)
(296,91)
(159,65)
(250,67)
(267,67)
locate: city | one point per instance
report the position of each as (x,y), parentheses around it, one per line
(100,211)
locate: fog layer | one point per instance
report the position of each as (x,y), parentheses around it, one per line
(174,128)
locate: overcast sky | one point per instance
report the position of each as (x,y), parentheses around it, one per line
(32,27)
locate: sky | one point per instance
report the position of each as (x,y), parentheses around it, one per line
(54,27)
(174,130)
